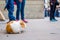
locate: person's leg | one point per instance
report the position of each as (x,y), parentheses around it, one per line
(22,11)
(46,13)
(52,17)
(54,8)
(54,13)
(18,9)
(10,15)
(51,12)
(10,8)
(57,13)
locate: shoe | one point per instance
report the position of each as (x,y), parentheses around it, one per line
(53,20)
(25,21)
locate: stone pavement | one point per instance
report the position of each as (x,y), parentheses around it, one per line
(37,29)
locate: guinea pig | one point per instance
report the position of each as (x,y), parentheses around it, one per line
(15,27)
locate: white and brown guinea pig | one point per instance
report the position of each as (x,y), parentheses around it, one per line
(15,26)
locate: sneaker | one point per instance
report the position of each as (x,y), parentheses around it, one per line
(53,20)
(25,21)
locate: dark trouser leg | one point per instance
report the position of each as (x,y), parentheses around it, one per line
(52,11)
(18,9)
(46,12)
(54,8)
(22,9)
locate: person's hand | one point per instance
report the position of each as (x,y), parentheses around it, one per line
(20,0)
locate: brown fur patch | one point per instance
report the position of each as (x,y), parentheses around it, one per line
(22,24)
(8,28)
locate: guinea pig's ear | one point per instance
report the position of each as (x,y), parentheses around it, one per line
(22,24)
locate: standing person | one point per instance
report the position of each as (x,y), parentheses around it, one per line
(53,4)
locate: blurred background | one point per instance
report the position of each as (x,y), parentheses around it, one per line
(47,9)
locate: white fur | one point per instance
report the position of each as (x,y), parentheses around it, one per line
(16,27)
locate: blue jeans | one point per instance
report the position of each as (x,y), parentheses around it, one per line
(10,8)
(20,8)
(46,12)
